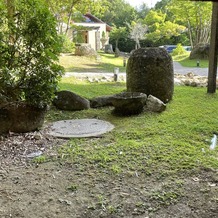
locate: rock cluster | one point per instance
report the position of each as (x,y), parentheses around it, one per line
(125,103)
(188,79)
(67,100)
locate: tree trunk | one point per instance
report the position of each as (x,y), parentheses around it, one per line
(10,9)
(137,44)
(69,18)
(212,74)
(70,14)
(10,12)
(116,43)
(190,34)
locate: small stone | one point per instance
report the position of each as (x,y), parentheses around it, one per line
(196,179)
(64,201)
(154,104)
(194,84)
(37,137)
(212,184)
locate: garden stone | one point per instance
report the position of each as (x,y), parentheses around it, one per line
(150,71)
(108,49)
(66,100)
(85,50)
(177,81)
(201,51)
(101,101)
(154,104)
(129,103)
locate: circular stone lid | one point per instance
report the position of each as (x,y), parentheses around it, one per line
(79,128)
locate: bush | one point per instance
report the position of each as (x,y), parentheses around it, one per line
(29,46)
(179,50)
(68,45)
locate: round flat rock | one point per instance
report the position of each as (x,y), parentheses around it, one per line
(79,128)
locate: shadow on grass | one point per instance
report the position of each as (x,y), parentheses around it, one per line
(110,56)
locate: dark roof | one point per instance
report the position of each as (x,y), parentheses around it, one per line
(92,19)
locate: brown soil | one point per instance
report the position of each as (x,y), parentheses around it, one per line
(60,189)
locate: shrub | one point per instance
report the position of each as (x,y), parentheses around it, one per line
(179,50)
(68,45)
(29,49)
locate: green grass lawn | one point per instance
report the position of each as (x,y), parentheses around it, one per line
(160,160)
(107,63)
(171,142)
(90,90)
(186,62)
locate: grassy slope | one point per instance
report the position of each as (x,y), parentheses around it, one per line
(107,63)
(186,62)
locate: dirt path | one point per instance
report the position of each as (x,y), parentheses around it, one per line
(61,189)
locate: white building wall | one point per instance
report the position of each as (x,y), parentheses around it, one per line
(91,33)
(91,38)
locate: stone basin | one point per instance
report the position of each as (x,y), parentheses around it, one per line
(129,103)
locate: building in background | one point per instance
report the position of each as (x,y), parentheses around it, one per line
(92,31)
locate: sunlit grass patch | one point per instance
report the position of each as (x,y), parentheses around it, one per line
(186,62)
(107,63)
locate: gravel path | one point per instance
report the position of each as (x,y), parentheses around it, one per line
(178,69)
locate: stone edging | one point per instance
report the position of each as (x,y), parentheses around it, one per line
(189,79)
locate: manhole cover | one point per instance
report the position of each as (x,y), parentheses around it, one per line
(79,128)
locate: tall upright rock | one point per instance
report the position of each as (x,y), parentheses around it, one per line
(150,71)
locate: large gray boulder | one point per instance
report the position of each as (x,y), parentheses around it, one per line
(201,51)
(85,50)
(108,49)
(150,71)
(66,100)
(154,104)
